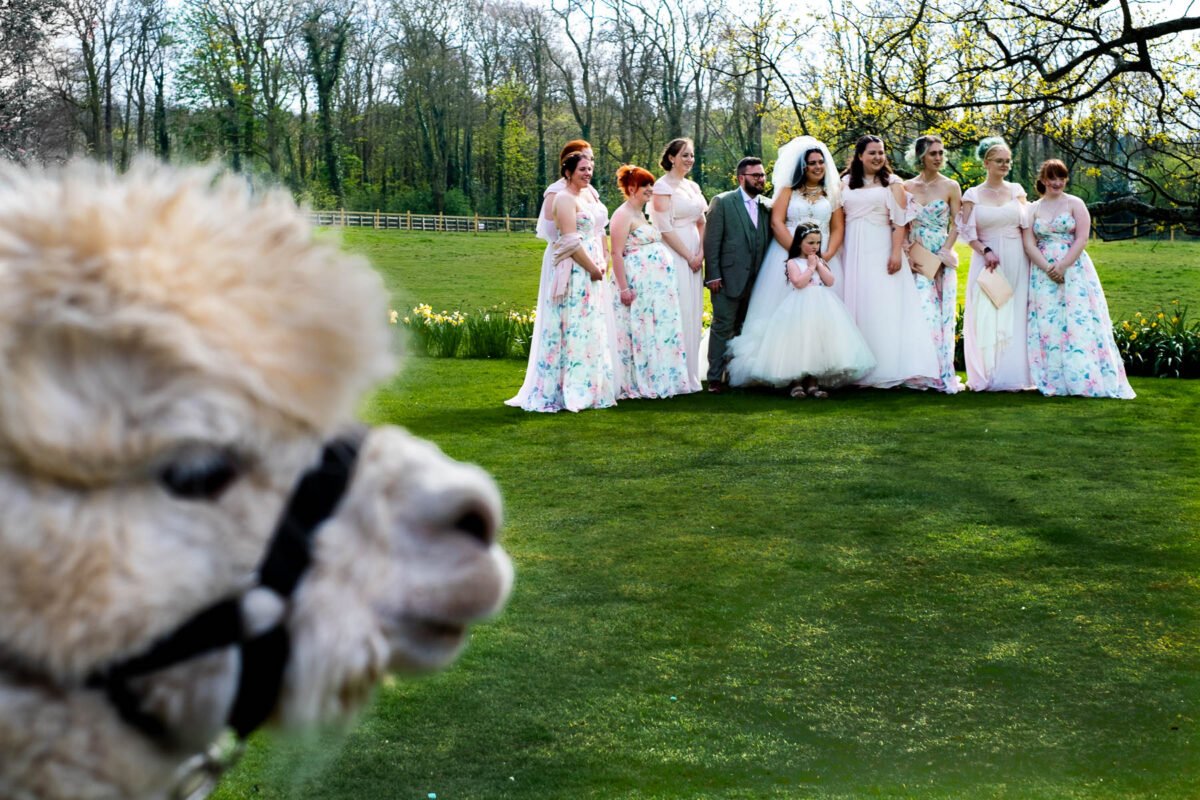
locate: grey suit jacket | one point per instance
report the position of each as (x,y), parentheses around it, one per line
(733,246)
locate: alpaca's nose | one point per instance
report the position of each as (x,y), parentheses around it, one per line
(478,523)
(461,500)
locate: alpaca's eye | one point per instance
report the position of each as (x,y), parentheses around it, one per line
(200,475)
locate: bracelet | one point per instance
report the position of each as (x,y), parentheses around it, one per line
(626,289)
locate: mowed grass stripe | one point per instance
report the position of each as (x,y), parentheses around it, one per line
(887,594)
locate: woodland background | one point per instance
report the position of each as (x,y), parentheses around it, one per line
(460,106)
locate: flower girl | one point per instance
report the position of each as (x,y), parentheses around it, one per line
(810,340)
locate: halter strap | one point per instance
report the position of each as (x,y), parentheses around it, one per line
(263,657)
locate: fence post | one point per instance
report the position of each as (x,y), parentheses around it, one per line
(476,230)
(507,226)
(1135,228)
(377,219)
(441,221)
(1172,233)
(409,221)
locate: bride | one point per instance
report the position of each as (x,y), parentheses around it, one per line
(807,189)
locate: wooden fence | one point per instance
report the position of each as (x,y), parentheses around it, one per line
(1134,229)
(409,221)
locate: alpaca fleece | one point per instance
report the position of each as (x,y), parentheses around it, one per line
(175,322)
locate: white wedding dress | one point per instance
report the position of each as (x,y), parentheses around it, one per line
(771,286)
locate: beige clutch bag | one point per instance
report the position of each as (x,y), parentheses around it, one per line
(995,286)
(924,261)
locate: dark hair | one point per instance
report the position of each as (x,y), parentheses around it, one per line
(800,176)
(855,168)
(1051,168)
(570,164)
(631,179)
(672,149)
(573,146)
(746,163)
(802,230)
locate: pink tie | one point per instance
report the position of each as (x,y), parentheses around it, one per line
(752,210)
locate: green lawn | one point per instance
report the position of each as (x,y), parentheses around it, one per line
(466,272)
(889,594)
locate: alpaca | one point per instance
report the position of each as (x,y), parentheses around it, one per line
(194,535)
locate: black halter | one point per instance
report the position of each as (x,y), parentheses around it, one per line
(263,657)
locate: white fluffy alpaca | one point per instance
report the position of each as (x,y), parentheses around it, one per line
(175,353)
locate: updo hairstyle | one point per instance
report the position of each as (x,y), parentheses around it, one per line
(570,163)
(632,178)
(1051,168)
(800,175)
(916,151)
(573,146)
(673,148)
(989,144)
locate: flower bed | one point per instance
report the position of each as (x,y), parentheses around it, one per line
(1159,344)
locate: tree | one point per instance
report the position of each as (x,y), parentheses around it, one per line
(1112,86)
(432,89)
(24,31)
(580,24)
(325,31)
(229,41)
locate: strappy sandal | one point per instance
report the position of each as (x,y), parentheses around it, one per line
(797,392)
(817,393)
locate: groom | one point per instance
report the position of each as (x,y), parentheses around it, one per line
(735,241)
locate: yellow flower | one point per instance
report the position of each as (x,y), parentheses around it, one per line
(1133,336)
(394,315)
(1175,320)
(1160,315)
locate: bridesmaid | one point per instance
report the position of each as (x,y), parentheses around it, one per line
(1071,344)
(574,370)
(994,341)
(934,205)
(547,231)
(650,359)
(880,295)
(678,212)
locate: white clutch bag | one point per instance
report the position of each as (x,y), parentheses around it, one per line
(995,286)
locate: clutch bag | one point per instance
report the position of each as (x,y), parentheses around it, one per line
(995,286)
(926,262)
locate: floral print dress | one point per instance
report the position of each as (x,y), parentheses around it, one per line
(651,358)
(939,297)
(574,368)
(1070,339)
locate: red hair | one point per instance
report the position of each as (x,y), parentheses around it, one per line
(1051,168)
(573,146)
(631,178)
